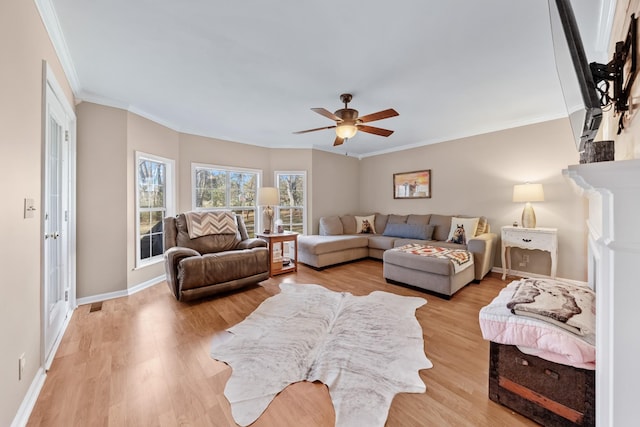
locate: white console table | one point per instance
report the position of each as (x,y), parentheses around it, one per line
(544,239)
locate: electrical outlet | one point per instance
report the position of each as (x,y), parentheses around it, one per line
(22,361)
(523,264)
(525,258)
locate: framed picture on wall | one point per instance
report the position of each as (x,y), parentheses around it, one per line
(412,185)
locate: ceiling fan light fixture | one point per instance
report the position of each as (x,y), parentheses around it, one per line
(348,121)
(346,130)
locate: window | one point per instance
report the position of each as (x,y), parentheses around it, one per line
(292,189)
(217,187)
(154,201)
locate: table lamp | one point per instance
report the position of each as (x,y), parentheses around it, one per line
(268,198)
(528,193)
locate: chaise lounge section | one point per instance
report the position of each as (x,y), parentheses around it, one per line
(339,240)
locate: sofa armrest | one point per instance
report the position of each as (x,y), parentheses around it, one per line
(252,243)
(483,249)
(172,258)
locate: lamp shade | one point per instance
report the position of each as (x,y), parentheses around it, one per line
(267,196)
(346,130)
(528,193)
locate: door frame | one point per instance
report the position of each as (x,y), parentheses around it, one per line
(49,80)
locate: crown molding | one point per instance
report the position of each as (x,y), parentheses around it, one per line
(52,25)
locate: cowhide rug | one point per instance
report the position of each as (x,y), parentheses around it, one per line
(366,349)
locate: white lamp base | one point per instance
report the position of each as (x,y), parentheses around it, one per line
(528,216)
(268,212)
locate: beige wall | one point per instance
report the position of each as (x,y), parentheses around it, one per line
(627,144)
(150,138)
(475,176)
(24,44)
(335,189)
(108,139)
(101,200)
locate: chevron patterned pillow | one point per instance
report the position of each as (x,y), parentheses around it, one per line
(206,223)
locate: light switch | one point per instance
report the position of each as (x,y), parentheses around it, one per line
(29,208)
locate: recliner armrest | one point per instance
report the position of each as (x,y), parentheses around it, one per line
(252,243)
(172,258)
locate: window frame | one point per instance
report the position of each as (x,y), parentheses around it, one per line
(303,173)
(169,202)
(228,170)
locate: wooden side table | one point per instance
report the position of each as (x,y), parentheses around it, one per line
(278,240)
(544,239)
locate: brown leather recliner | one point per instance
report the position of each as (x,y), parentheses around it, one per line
(211,264)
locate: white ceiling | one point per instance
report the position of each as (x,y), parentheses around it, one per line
(249,71)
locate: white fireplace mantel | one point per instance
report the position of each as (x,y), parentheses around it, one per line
(613,191)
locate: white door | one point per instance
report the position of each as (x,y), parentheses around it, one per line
(56,303)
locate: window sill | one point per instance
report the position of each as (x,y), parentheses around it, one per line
(146,264)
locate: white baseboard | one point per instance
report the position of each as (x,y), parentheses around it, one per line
(118,294)
(29,401)
(56,344)
(538,276)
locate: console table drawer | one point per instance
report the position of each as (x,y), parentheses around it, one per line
(528,240)
(543,239)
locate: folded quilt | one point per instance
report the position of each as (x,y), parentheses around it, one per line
(460,258)
(533,335)
(206,223)
(570,307)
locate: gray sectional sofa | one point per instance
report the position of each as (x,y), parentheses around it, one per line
(339,240)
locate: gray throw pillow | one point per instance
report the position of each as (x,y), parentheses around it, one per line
(330,226)
(409,231)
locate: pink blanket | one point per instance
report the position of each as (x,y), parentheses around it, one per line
(534,336)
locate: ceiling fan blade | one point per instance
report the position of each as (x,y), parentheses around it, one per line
(338,141)
(375,130)
(328,114)
(385,114)
(313,130)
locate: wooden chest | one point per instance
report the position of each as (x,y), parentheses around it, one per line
(549,393)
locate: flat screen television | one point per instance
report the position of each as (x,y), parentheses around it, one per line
(576,79)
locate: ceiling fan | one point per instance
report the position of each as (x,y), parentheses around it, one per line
(348,123)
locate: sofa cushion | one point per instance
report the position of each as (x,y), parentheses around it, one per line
(348,224)
(331,226)
(318,245)
(441,266)
(410,231)
(379,241)
(442,224)
(397,219)
(418,219)
(381,222)
(468,224)
(221,267)
(365,224)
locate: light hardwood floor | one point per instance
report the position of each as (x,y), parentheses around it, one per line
(144,360)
